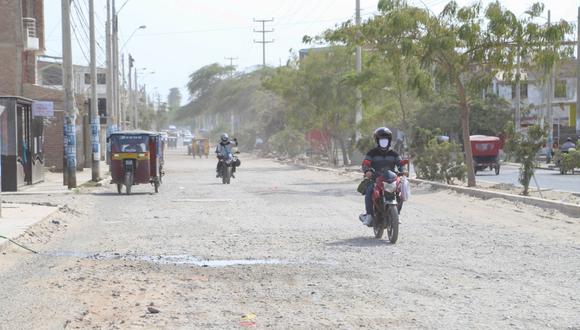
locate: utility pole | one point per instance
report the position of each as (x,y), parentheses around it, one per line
(549,111)
(359,106)
(233,68)
(70,147)
(94,108)
(578,77)
(130,94)
(123,105)
(135,105)
(264,41)
(110,117)
(231,59)
(2,108)
(116,88)
(518,114)
(232,114)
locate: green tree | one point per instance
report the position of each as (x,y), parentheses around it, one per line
(462,48)
(317,96)
(488,115)
(202,80)
(174,98)
(525,146)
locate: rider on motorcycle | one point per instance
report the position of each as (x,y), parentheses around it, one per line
(569,144)
(378,160)
(224,148)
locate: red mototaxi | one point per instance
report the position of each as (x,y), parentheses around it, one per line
(485,151)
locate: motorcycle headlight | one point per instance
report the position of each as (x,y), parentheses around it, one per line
(389,187)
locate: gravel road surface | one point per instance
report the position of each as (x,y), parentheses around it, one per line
(281,247)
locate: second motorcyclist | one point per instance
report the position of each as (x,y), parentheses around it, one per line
(378,160)
(225,148)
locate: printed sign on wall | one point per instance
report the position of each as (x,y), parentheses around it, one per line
(42,109)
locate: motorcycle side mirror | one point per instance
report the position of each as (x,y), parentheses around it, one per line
(405,162)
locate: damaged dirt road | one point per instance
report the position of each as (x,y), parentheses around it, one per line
(282,247)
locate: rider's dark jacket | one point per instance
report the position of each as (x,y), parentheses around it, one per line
(224,149)
(380,160)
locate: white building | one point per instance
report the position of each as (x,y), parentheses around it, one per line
(533,93)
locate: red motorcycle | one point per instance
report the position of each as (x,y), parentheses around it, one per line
(387,204)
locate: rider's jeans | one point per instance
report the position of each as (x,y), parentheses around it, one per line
(369,199)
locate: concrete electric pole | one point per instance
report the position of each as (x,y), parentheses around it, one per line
(578,76)
(550,112)
(232,114)
(358,67)
(116,89)
(94,108)
(264,41)
(109,59)
(135,103)
(357,156)
(70,147)
(518,114)
(130,92)
(231,59)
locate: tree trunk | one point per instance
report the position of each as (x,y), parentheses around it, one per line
(464,107)
(344,150)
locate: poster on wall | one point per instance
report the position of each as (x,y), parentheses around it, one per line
(42,109)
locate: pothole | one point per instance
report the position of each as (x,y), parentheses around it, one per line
(170,259)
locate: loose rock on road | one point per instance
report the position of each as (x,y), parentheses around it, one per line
(282,247)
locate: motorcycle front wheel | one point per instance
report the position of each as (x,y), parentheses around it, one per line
(378,223)
(392,223)
(226,172)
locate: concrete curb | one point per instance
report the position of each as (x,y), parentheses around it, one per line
(565,208)
(540,167)
(4,243)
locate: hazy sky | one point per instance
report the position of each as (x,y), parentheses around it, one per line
(184,35)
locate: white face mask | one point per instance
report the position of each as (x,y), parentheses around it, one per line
(384,143)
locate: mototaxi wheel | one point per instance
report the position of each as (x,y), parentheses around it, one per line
(128,182)
(119,188)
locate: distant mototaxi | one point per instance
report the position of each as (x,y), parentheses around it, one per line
(485,151)
(136,158)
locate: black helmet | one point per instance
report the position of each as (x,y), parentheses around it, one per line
(569,139)
(224,137)
(383,133)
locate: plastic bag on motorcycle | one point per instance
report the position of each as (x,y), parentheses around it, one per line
(405,189)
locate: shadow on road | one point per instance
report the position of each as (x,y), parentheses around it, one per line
(106,194)
(365,241)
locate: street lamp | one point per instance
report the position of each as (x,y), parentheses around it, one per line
(132,34)
(136,99)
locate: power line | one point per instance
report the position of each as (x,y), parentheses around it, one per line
(82,22)
(81,15)
(79,43)
(235,28)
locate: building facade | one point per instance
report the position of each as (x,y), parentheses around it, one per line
(534,99)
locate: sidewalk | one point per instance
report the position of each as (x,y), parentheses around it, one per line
(18,217)
(52,183)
